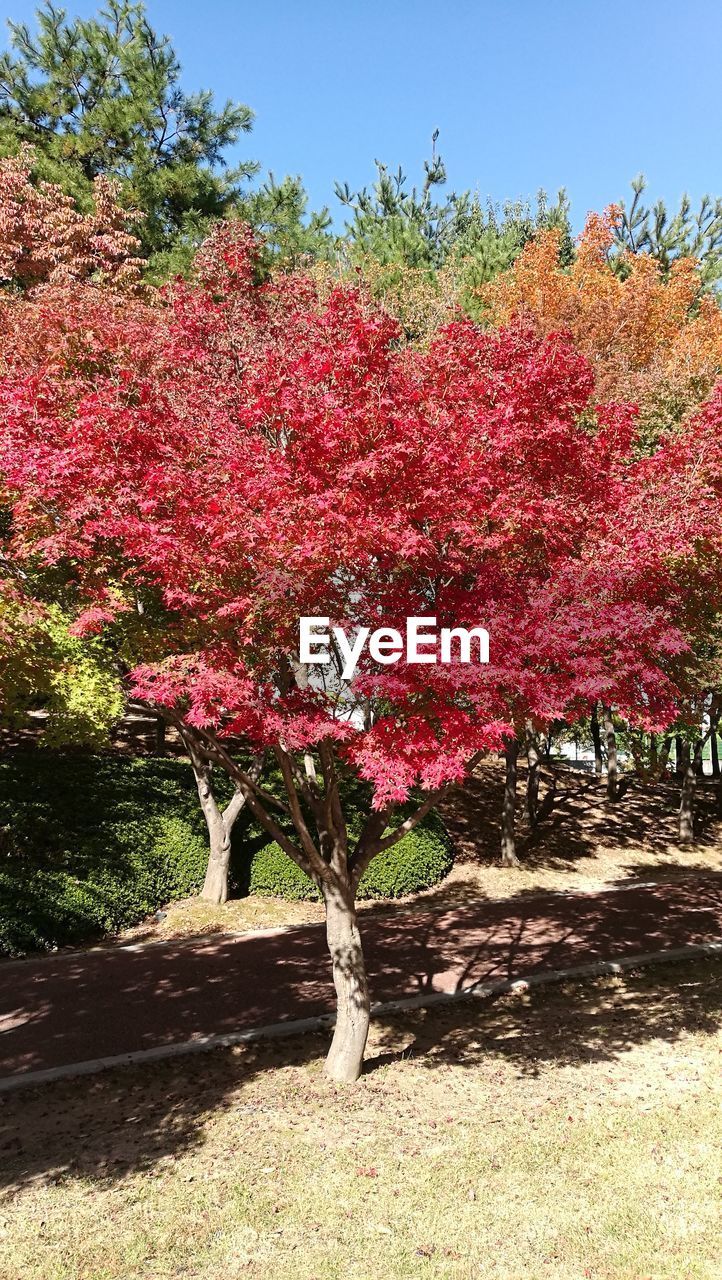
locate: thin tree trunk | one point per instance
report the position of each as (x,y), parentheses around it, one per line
(597,740)
(698,764)
(714,753)
(220,829)
(686,803)
(215,885)
(689,787)
(219,822)
(345,1057)
(664,758)
(681,755)
(532,782)
(612,767)
(508,812)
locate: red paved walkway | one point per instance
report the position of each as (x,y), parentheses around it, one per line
(74,1007)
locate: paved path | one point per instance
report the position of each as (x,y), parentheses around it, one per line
(77,1006)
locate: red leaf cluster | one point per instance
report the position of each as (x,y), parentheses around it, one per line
(247,454)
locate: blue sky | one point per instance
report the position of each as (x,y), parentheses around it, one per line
(526,94)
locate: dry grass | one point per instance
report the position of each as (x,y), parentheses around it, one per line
(571,1133)
(190,917)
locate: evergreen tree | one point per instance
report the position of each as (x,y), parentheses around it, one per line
(685,234)
(415,227)
(279,212)
(489,239)
(395,224)
(102,96)
(425,253)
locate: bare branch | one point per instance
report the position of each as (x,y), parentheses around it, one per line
(312,853)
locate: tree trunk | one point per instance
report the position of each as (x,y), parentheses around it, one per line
(693,770)
(345,1057)
(664,758)
(219,823)
(714,754)
(612,767)
(681,755)
(698,764)
(532,782)
(220,830)
(215,885)
(159,736)
(597,740)
(508,840)
(686,803)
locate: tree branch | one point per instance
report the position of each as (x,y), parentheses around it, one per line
(312,853)
(370,845)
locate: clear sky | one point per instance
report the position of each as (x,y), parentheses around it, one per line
(526,93)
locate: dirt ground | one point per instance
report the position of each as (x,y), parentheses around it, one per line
(585,840)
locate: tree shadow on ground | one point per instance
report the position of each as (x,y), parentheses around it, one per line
(570,1025)
(108,1127)
(105,1003)
(577,818)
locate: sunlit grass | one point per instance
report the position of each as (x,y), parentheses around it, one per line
(571,1133)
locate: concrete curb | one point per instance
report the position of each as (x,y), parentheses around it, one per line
(479,990)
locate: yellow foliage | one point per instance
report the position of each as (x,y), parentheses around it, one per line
(418,297)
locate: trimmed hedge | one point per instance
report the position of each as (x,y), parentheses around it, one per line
(418,861)
(93,842)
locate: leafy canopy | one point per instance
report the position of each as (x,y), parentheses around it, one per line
(45,239)
(652,337)
(255,453)
(102,97)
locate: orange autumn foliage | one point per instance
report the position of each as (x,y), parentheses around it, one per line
(650,338)
(46,239)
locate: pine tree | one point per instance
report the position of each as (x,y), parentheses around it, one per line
(666,236)
(102,96)
(279,212)
(414,227)
(424,252)
(396,224)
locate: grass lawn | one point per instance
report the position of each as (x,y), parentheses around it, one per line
(574,1132)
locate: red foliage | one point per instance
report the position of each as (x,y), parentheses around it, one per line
(249,454)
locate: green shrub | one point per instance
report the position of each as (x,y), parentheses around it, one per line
(274,875)
(417,862)
(92,843)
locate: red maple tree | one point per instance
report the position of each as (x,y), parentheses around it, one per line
(245,455)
